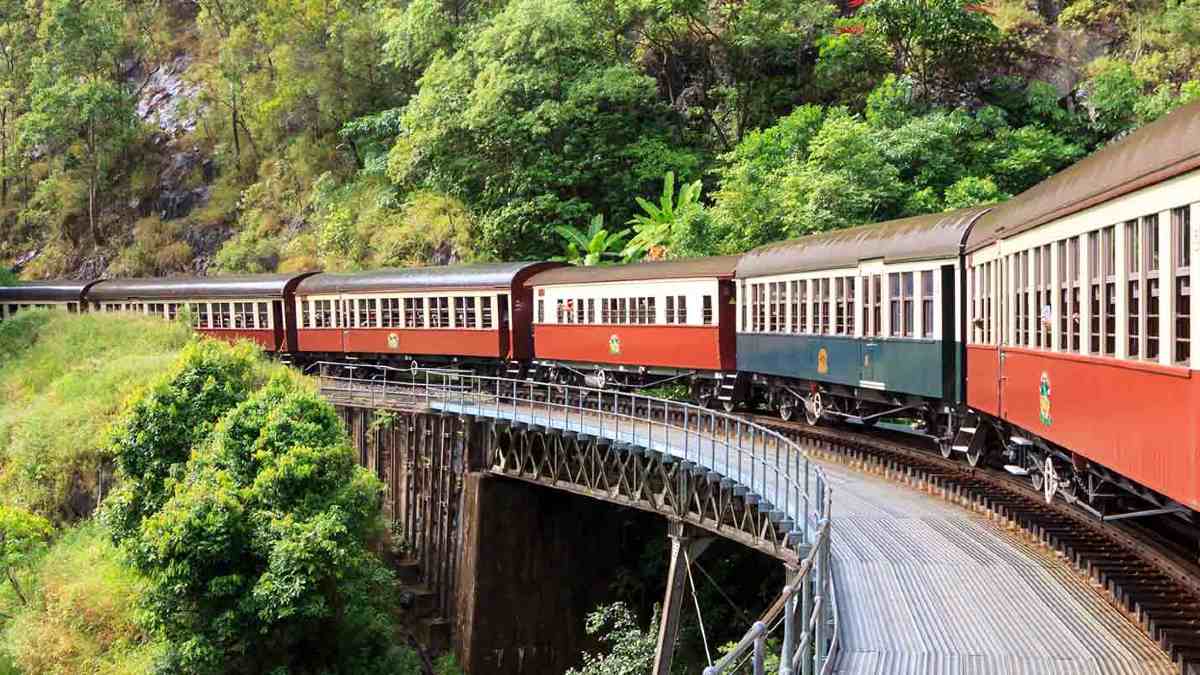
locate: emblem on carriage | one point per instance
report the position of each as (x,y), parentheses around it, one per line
(393,341)
(614,344)
(823,361)
(1044,398)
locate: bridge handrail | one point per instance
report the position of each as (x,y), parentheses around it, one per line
(798,483)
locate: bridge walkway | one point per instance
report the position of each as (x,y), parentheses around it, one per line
(927,587)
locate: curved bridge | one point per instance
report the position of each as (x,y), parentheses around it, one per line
(702,469)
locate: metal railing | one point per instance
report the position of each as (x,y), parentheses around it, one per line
(776,473)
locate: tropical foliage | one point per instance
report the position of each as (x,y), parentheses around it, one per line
(241,136)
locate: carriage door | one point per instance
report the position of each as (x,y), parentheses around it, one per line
(506,337)
(348,318)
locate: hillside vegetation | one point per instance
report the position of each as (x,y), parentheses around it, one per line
(171,504)
(243,136)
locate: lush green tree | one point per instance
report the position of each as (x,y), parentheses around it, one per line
(748,208)
(259,560)
(733,66)
(943,44)
(595,246)
(82,103)
(536,121)
(153,440)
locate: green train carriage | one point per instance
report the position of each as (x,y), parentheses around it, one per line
(861,324)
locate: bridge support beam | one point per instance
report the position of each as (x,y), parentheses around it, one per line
(687,544)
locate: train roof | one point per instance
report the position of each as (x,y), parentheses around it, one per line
(721,267)
(58,290)
(183,288)
(449,277)
(928,237)
(1157,152)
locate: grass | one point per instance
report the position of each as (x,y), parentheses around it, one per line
(62,379)
(83,617)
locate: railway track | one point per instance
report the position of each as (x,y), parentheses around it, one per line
(1140,572)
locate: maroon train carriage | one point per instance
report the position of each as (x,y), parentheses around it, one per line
(1083,315)
(65,295)
(477,315)
(639,325)
(256,308)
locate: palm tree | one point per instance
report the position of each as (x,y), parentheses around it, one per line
(594,247)
(655,227)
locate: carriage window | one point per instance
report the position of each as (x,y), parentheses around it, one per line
(773,307)
(591,312)
(866,305)
(172,310)
(1110,291)
(322,314)
(367,312)
(651,312)
(264,320)
(894,285)
(1094,293)
(707,311)
(464,312)
(439,312)
(221,315)
(622,311)
(927,303)
(541,309)
(826,319)
(839,305)
(907,280)
(1133,297)
(754,291)
(579,310)
(414,312)
(670,309)
(988,269)
(485,312)
(605,311)
(389,312)
(681,309)
(200,314)
(801,306)
(244,314)
(849,310)
(157,309)
(1181,238)
(1045,301)
(1151,296)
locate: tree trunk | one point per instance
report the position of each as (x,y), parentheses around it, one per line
(237,140)
(4,156)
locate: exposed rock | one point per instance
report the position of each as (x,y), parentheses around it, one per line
(169,101)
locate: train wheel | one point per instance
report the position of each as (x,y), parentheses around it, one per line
(974,455)
(813,409)
(1050,482)
(787,409)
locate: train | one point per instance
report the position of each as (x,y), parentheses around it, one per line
(1049,334)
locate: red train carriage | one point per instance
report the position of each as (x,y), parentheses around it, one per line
(641,324)
(255,308)
(428,315)
(1082,320)
(65,295)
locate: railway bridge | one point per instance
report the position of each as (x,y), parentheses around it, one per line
(879,579)
(449,446)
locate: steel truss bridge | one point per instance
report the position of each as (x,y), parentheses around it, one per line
(709,473)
